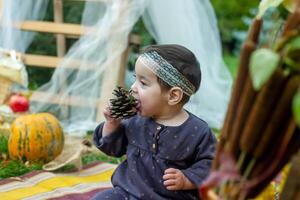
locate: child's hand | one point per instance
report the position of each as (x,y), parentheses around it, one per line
(107,115)
(174,179)
(111,123)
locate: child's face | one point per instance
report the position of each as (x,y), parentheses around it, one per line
(148,92)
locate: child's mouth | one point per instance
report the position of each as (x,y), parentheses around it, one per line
(138,105)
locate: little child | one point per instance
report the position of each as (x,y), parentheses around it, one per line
(168,149)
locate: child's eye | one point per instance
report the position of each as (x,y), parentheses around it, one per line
(134,75)
(143,83)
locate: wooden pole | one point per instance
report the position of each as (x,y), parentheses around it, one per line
(61,47)
(58,17)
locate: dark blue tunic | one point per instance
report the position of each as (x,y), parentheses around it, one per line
(151,148)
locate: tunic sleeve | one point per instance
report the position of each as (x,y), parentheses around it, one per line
(114,144)
(204,155)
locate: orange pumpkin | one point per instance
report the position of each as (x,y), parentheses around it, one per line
(35,137)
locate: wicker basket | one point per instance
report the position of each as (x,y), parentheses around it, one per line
(5,88)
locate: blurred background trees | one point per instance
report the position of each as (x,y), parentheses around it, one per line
(233,20)
(231,17)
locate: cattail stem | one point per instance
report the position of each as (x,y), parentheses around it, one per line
(243,73)
(281,112)
(263,182)
(263,105)
(243,110)
(293,20)
(247,49)
(253,34)
(288,146)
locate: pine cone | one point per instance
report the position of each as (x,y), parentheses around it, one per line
(123,104)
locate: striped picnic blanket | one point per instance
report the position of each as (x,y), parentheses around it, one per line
(81,184)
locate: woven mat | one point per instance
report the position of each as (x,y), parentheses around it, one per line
(81,184)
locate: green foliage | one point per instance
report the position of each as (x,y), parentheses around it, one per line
(263,63)
(73,11)
(230,15)
(146,39)
(140,29)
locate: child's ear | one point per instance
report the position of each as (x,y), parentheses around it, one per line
(175,96)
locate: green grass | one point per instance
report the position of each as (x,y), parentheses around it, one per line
(3,144)
(12,168)
(91,157)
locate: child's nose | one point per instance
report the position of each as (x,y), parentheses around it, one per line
(133,87)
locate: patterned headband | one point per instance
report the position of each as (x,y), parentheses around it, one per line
(166,72)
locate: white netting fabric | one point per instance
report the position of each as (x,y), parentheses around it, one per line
(14,11)
(111,22)
(193,24)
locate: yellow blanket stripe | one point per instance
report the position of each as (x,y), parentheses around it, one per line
(54,183)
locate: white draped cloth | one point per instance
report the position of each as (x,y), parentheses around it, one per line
(192,23)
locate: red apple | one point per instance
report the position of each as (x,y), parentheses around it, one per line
(18,103)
